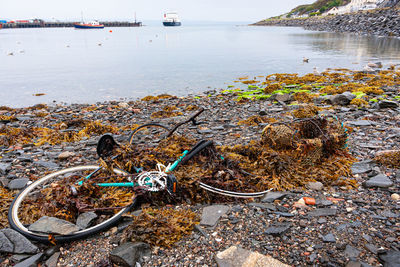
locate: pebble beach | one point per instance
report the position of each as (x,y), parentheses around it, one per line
(317,225)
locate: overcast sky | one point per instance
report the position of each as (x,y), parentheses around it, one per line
(208,10)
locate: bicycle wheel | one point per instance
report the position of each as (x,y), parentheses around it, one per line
(195,154)
(148,134)
(59,195)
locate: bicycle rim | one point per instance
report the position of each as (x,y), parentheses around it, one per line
(35,191)
(196,151)
(149,134)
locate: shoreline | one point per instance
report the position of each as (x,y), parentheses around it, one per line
(346,225)
(379,22)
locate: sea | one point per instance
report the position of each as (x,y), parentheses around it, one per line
(67,65)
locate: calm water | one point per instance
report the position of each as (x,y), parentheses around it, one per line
(86,66)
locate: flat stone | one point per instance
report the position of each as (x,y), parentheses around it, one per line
(4,167)
(351,252)
(128,254)
(323,212)
(330,238)
(267,206)
(53,260)
(51,225)
(371,248)
(85,219)
(46,164)
(284,214)
(18,183)
(277,229)
(212,214)
(361,167)
(21,245)
(272,196)
(360,123)
(237,257)
(387,104)
(390,258)
(30,262)
(379,180)
(65,155)
(353,264)
(315,185)
(5,244)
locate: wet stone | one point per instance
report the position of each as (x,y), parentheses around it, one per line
(53,225)
(351,252)
(315,185)
(390,258)
(267,206)
(379,180)
(5,244)
(53,260)
(323,212)
(85,219)
(46,164)
(4,167)
(277,229)
(361,167)
(212,214)
(20,243)
(32,261)
(17,184)
(360,123)
(272,196)
(130,253)
(387,104)
(330,238)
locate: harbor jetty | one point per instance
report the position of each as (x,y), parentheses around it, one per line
(44,24)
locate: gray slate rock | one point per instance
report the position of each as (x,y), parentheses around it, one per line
(380,180)
(390,258)
(53,260)
(130,253)
(4,167)
(17,184)
(47,164)
(52,225)
(5,244)
(20,244)
(387,104)
(272,196)
(360,123)
(342,99)
(277,229)
(322,212)
(267,206)
(361,167)
(330,238)
(211,214)
(30,262)
(85,219)
(351,252)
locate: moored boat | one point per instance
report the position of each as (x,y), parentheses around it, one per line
(171,19)
(90,25)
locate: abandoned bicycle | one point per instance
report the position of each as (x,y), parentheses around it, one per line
(104,194)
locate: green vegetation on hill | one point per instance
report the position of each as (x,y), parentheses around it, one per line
(318,6)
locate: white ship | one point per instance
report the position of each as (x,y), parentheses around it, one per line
(171,19)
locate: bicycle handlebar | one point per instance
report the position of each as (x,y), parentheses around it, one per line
(191,119)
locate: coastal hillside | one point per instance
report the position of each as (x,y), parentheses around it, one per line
(318,6)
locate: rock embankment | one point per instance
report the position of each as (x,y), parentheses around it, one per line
(382,22)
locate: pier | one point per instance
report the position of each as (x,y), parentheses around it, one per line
(43,24)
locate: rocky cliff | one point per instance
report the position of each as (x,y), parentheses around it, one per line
(381,22)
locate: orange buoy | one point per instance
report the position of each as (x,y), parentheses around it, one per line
(110,30)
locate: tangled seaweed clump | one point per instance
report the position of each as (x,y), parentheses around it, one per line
(166,112)
(306,111)
(161,227)
(11,136)
(389,158)
(6,198)
(359,102)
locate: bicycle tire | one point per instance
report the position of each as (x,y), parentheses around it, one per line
(151,137)
(17,225)
(203,144)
